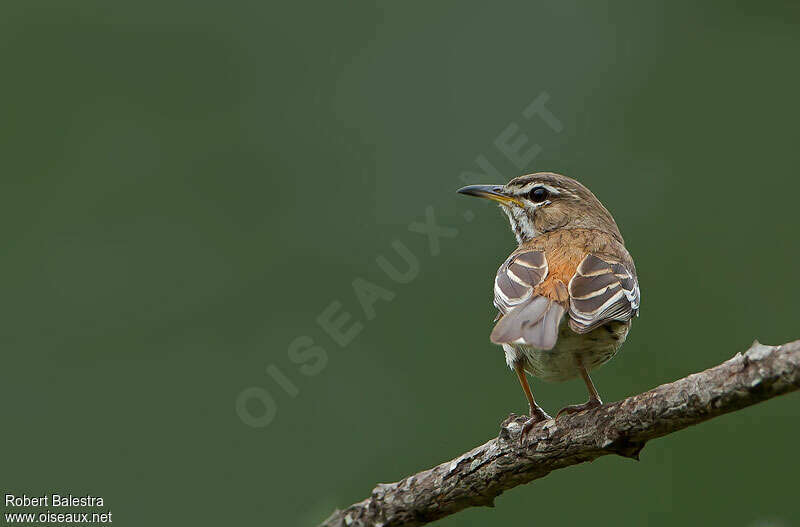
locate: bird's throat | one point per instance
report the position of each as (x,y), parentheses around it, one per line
(521,224)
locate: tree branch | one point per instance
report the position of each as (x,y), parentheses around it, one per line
(623,428)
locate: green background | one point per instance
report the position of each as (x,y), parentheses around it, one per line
(186,186)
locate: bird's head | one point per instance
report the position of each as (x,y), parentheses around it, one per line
(543,202)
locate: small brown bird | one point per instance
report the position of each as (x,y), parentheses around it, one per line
(567,294)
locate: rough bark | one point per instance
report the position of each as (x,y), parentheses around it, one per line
(623,428)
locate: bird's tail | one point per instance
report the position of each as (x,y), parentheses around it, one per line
(534,323)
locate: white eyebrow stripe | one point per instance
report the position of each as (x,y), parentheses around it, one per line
(530,186)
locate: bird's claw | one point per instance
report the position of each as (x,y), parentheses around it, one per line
(576,408)
(537,416)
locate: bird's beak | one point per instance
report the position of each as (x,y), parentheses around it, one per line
(492,192)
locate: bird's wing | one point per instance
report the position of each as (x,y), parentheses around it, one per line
(602,289)
(527,318)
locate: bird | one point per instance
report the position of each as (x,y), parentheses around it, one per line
(567,294)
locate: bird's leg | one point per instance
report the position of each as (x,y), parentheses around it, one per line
(536,413)
(594,398)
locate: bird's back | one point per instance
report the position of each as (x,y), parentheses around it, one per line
(563,251)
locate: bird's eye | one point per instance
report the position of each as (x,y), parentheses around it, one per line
(539,194)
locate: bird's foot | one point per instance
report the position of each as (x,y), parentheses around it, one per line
(575,408)
(537,416)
